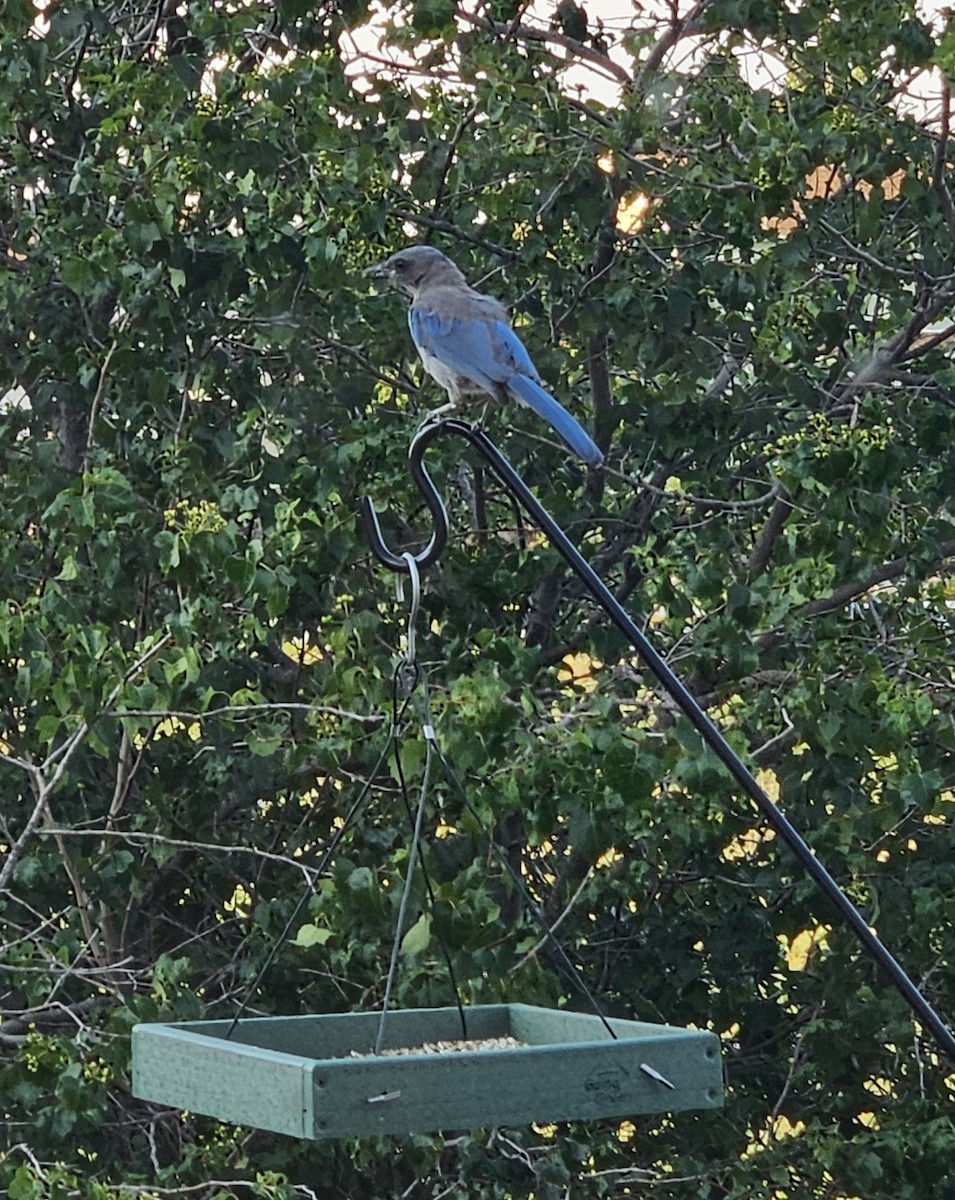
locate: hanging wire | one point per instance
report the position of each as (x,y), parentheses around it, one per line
(424,707)
(433,750)
(405,897)
(572,970)
(408,675)
(350,818)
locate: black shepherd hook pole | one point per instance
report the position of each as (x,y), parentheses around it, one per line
(710,734)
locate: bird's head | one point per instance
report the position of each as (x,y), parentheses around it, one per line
(415,267)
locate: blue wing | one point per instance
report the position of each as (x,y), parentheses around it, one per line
(466,346)
(490,354)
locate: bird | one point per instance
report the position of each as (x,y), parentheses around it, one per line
(467,344)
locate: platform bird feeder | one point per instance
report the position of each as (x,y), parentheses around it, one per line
(318,1076)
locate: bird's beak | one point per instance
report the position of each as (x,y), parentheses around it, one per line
(380,270)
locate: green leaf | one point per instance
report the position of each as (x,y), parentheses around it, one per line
(264,747)
(78,274)
(418,937)
(158,387)
(311,935)
(24,1185)
(69,570)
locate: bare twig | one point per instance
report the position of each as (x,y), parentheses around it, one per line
(322,710)
(101,387)
(790,1076)
(20,1022)
(140,838)
(706,501)
(536,949)
(212,1186)
(864,256)
(769,752)
(463,235)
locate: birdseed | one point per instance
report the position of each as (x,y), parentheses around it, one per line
(446,1047)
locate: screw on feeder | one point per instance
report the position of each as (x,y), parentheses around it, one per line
(655,1074)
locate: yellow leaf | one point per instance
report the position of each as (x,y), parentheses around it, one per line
(799,950)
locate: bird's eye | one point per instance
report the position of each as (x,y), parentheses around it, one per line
(400,264)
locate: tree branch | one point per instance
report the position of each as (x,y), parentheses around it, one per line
(883,574)
(927,343)
(528,33)
(875,370)
(939,182)
(601,397)
(679,28)
(101,390)
(449,158)
(775,523)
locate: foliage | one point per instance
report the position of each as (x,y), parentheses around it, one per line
(744,286)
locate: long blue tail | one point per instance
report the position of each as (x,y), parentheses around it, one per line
(559,419)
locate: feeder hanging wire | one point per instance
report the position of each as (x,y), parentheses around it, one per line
(410,676)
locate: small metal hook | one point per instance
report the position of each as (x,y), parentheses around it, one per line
(414,576)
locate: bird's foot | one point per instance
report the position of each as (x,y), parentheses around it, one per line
(436,415)
(448,410)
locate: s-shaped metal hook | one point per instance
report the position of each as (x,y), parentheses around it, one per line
(432,498)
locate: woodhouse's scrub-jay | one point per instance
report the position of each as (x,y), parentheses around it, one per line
(467,345)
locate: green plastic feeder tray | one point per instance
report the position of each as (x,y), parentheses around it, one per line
(300,1075)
